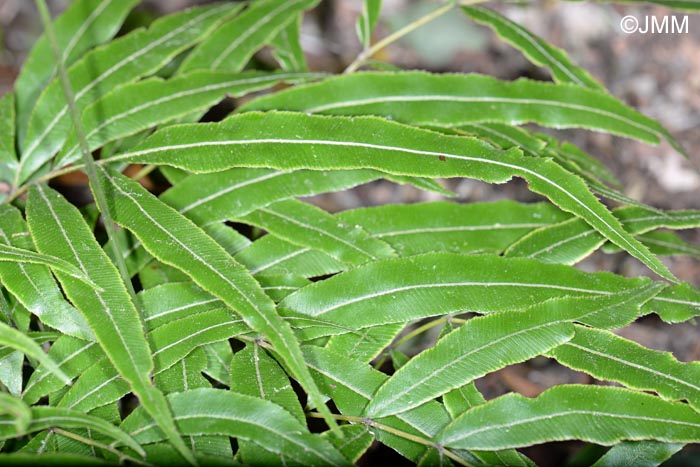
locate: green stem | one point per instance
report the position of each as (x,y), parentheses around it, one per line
(89,163)
(396,432)
(368,53)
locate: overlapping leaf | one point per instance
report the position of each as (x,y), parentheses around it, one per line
(321,143)
(599,414)
(58,228)
(457,99)
(175,240)
(121,61)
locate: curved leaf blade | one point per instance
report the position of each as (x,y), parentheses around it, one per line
(177,241)
(598,414)
(322,143)
(57,227)
(213,411)
(538,51)
(609,357)
(456,99)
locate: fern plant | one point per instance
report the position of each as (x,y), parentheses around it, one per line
(176,339)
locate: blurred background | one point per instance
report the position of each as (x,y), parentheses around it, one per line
(658,74)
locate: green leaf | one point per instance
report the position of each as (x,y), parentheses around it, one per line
(58,228)
(57,459)
(402,290)
(355,442)
(20,255)
(364,346)
(538,51)
(225,195)
(368,20)
(662,243)
(49,417)
(156,101)
(8,154)
(124,60)
(462,399)
(19,412)
(255,373)
(33,285)
(287,47)
(612,358)
(321,143)
(250,30)
(351,385)
(308,226)
(12,338)
(459,228)
(173,341)
(638,454)
(457,99)
(73,356)
(171,301)
(212,411)
(479,347)
(97,386)
(11,374)
(175,240)
(680,302)
(572,240)
(85,24)
(272,255)
(598,414)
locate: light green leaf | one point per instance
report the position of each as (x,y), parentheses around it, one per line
(225,195)
(401,290)
(137,54)
(598,414)
(479,347)
(572,240)
(19,412)
(212,411)
(8,155)
(97,386)
(175,300)
(321,143)
(355,442)
(12,338)
(33,285)
(272,255)
(232,45)
(286,47)
(680,302)
(462,399)
(255,373)
(11,374)
(175,240)
(73,357)
(308,226)
(638,454)
(488,343)
(58,228)
(13,254)
(44,417)
(278,286)
(351,385)
(185,375)
(365,345)
(85,24)
(662,243)
(609,357)
(368,20)
(457,99)
(538,51)
(173,341)
(156,101)
(460,228)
